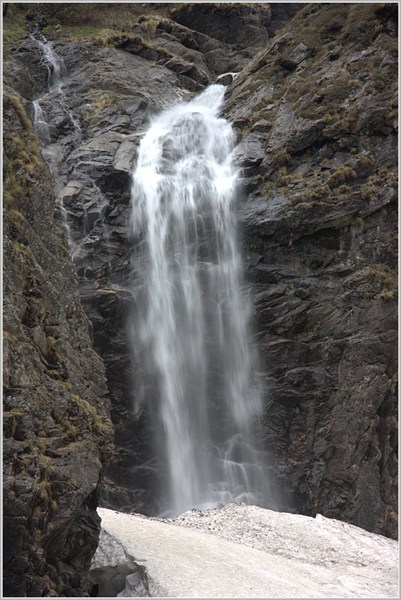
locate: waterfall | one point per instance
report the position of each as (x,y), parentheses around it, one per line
(196,365)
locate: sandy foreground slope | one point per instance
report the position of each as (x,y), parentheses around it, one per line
(266,554)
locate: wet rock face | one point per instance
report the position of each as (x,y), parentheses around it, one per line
(95,190)
(57,431)
(316,112)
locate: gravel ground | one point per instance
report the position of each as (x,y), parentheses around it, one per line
(319,540)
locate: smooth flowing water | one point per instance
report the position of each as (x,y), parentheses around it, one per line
(191,336)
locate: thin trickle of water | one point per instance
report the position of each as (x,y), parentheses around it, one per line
(40,124)
(191,327)
(52,61)
(55,68)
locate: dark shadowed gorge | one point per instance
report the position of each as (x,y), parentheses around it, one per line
(312,95)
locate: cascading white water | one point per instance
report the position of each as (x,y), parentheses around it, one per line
(51,60)
(191,332)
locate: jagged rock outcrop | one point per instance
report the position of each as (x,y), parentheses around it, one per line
(57,430)
(315,113)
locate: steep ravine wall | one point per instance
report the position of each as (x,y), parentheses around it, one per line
(56,424)
(316,117)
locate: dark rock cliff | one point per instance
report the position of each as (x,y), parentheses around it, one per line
(316,115)
(57,430)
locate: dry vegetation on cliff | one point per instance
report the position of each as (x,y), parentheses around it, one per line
(318,74)
(81,20)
